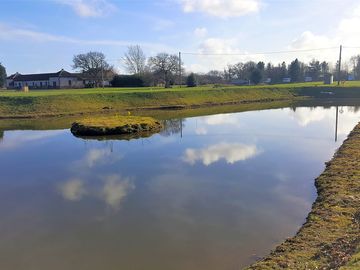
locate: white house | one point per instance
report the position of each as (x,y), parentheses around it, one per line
(61,79)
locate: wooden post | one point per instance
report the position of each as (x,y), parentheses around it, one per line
(339,67)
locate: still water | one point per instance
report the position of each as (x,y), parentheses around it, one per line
(213,192)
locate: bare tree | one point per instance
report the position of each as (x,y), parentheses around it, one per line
(134,60)
(92,64)
(165,65)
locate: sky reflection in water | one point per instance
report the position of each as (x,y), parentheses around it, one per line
(213,194)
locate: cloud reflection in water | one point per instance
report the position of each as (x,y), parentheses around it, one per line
(113,190)
(73,189)
(116,189)
(231,152)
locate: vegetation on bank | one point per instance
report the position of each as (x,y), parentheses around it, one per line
(44,103)
(73,102)
(115,125)
(330,238)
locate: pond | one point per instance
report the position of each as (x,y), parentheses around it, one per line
(212,192)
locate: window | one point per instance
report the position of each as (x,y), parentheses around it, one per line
(54,84)
(69,82)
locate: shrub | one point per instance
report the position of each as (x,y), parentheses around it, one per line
(191,80)
(127,81)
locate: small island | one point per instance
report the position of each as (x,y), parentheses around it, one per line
(115,125)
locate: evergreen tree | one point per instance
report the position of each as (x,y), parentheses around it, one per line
(295,71)
(191,80)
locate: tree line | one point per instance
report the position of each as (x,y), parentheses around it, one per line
(163,69)
(157,70)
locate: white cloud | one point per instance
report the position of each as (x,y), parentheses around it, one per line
(116,189)
(218,53)
(230,152)
(346,33)
(72,190)
(200,32)
(10,33)
(90,8)
(222,9)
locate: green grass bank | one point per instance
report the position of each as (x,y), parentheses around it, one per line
(68,102)
(42,103)
(330,238)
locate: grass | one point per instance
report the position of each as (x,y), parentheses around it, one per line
(115,125)
(116,121)
(330,238)
(40,103)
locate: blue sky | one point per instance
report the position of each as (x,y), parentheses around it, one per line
(43,35)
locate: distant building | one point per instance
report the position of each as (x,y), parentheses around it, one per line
(308,79)
(267,80)
(61,79)
(328,78)
(240,82)
(286,80)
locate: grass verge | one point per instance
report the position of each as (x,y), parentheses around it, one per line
(43,103)
(330,238)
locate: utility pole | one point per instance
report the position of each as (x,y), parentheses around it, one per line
(102,75)
(180,69)
(339,67)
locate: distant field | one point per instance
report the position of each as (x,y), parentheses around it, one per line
(39,103)
(161,89)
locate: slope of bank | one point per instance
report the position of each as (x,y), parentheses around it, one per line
(68,103)
(42,103)
(330,238)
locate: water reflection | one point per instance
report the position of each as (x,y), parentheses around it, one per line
(233,186)
(113,190)
(73,189)
(116,189)
(97,156)
(342,117)
(172,126)
(230,152)
(18,138)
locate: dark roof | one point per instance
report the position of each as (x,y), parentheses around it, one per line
(41,76)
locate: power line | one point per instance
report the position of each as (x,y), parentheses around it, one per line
(351,47)
(259,53)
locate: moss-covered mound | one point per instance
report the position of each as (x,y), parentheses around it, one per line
(115,125)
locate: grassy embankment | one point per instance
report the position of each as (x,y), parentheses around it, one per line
(330,238)
(40,103)
(72,102)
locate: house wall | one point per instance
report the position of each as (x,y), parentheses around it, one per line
(9,84)
(71,82)
(53,82)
